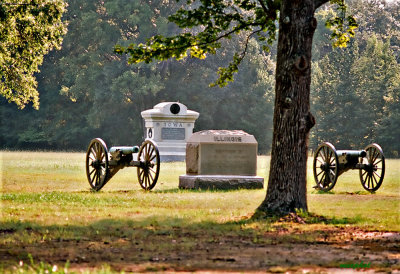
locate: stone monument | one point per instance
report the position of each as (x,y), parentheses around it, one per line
(170,125)
(221,159)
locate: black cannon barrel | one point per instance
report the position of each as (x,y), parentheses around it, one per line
(351,153)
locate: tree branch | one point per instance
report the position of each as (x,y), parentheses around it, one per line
(271,8)
(226,74)
(224,35)
(242,55)
(194,43)
(263,6)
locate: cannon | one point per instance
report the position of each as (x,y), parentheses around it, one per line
(330,163)
(102,164)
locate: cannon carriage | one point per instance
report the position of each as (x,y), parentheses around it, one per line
(102,164)
(330,163)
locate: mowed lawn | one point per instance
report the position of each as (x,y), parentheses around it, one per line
(46,199)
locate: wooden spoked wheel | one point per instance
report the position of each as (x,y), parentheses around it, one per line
(325,167)
(371,176)
(97,164)
(149,168)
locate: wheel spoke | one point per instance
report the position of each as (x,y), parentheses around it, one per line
(151,176)
(140,175)
(376,173)
(362,175)
(93,178)
(151,151)
(152,157)
(320,161)
(320,172)
(323,178)
(376,154)
(93,152)
(330,158)
(324,153)
(91,172)
(144,154)
(369,156)
(144,178)
(146,151)
(378,161)
(99,155)
(327,155)
(333,174)
(97,177)
(96,148)
(373,177)
(372,180)
(372,155)
(321,154)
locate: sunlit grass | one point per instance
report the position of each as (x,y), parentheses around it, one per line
(47,187)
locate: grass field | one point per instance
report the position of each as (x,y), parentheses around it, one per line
(49,215)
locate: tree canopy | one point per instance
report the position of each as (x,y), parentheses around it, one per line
(29,29)
(214,20)
(86,91)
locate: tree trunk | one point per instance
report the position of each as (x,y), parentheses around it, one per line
(292,118)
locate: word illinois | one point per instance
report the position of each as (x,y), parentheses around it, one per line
(227,139)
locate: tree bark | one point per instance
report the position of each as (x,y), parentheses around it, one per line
(292,118)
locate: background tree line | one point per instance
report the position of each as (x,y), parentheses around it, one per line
(88,91)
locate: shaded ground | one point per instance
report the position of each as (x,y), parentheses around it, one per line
(288,247)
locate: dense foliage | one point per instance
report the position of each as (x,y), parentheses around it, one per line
(89,91)
(28,30)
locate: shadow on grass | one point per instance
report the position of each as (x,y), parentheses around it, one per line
(179,243)
(322,192)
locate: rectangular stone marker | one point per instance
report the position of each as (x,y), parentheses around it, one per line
(228,159)
(171,133)
(221,159)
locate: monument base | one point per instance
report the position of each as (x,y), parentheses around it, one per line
(220,182)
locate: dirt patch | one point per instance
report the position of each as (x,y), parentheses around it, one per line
(284,249)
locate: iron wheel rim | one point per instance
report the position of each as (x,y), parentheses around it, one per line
(97,164)
(149,168)
(372,176)
(325,167)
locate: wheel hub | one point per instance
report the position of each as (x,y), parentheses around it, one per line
(370,168)
(96,164)
(324,166)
